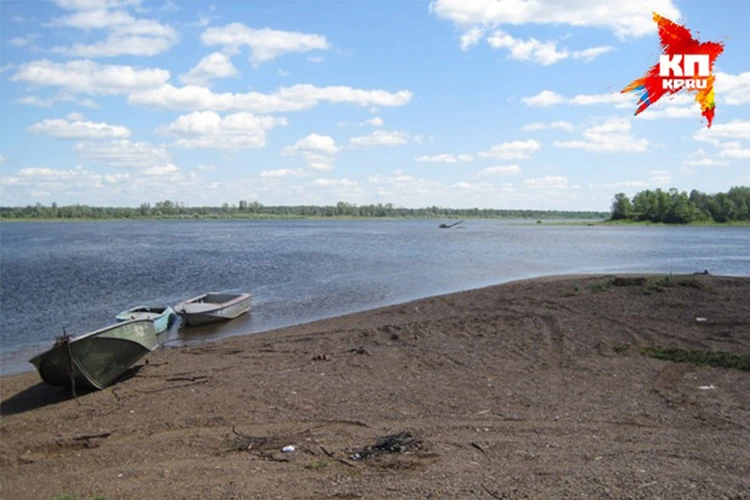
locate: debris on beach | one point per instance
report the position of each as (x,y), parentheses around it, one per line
(322,357)
(401,442)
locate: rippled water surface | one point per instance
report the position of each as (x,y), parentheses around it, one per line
(79,275)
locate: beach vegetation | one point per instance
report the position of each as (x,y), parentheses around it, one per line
(675,207)
(699,357)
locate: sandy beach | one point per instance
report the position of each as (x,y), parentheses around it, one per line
(533,389)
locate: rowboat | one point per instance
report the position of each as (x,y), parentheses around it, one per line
(212,307)
(163,317)
(98,358)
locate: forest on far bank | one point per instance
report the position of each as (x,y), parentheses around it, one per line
(674,207)
(254,210)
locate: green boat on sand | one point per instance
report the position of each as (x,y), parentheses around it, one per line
(98,358)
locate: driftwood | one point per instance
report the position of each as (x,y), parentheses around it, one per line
(448,226)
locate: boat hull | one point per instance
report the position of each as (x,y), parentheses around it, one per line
(162,319)
(195,313)
(97,359)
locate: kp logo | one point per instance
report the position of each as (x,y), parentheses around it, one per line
(685,65)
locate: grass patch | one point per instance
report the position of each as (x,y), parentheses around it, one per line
(625,281)
(620,348)
(699,357)
(316,465)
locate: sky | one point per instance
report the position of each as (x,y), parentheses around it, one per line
(505,104)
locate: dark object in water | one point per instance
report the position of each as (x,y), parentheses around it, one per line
(448,226)
(401,442)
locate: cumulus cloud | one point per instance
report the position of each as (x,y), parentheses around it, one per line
(500,170)
(215,65)
(375,121)
(445,158)
(562,125)
(283,173)
(265,44)
(544,53)
(209,130)
(88,77)
(548,182)
(126,35)
(124,153)
(79,129)
(317,150)
(380,138)
(625,19)
(515,150)
(547,98)
(294,98)
(612,135)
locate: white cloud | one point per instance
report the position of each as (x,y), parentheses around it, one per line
(95,19)
(591,53)
(126,35)
(472,37)
(693,111)
(515,150)
(206,129)
(544,53)
(735,153)
(294,98)
(562,125)
(733,89)
(544,98)
(701,159)
(548,182)
(625,19)
(380,138)
(618,185)
(95,4)
(612,135)
(265,44)
(660,177)
(314,143)
(547,98)
(704,162)
(51,179)
(2,159)
(88,77)
(445,158)
(317,150)
(283,173)
(500,170)
(205,168)
(160,171)
(328,183)
(23,41)
(78,129)
(215,65)
(737,129)
(75,117)
(124,153)
(374,122)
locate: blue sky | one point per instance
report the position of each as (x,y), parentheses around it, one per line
(485,103)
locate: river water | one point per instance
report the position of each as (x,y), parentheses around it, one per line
(80,275)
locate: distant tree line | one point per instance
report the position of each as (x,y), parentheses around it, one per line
(674,207)
(245,209)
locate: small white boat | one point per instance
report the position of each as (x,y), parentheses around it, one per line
(163,317)
(213,307)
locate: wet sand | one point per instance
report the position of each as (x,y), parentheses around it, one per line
(533,389)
